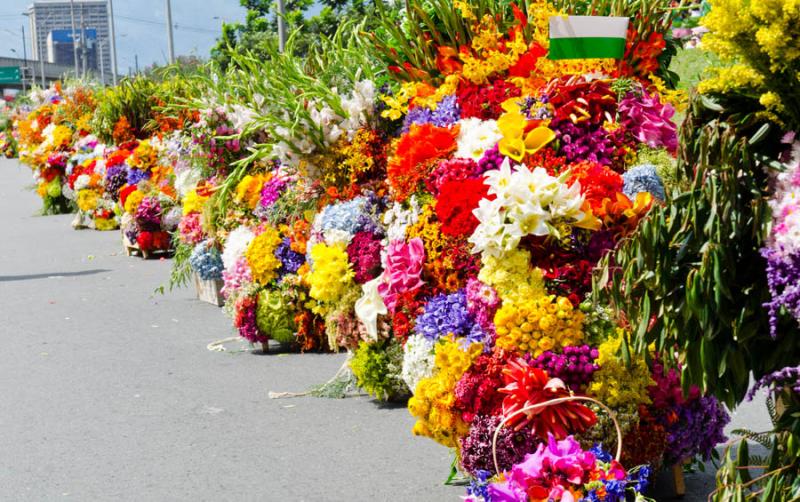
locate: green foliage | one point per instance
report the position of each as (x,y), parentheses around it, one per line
(181,269)
(776,477)
(691,66)
(131,99)
(377,368)
(691,279)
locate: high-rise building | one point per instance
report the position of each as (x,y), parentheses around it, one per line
(52,24)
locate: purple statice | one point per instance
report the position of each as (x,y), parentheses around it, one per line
(492,159)
(785,377)
(116,177)
(291,260)
(137,175)
(447,112)
(643,178)
(476,447)
(148,214)
(574,365)
(584,141)
(445,314)
(783,279)
(417,115)
(697,431)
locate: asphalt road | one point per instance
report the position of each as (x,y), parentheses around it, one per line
(109,391)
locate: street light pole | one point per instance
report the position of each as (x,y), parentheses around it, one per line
(24,58)
(170,42)
(113,43)
(281,26)
(74,45)
(102,63)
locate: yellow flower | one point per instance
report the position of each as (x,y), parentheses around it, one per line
(434,397)
(261,257)
(331,275)
(193,202)
(616,384)
(87,200)
(536,324)
(248,191)
(133,201)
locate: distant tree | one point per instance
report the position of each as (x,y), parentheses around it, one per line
(260,27)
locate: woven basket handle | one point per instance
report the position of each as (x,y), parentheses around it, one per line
(551,402)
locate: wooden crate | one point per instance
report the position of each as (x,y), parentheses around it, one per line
(209,291)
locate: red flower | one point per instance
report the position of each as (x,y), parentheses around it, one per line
(526,386)
(484,101)
(454,206)
(598,182)
(125,192)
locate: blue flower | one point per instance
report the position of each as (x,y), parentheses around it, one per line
(206,261)
(643,178)
(600,454)
(445,314)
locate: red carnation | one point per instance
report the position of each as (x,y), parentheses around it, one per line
(457,199)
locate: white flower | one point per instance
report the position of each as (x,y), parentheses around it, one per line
(335,236)
(418,360)
(236,245)
(82,182)
(369,307)
(186,181)
(476,136)
(527,203)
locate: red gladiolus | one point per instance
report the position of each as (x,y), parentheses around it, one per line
(526,386)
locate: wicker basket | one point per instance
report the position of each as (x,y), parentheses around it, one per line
(209,291)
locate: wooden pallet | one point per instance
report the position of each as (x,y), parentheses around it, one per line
(133,249)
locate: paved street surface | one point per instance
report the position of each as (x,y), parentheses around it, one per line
(109,391)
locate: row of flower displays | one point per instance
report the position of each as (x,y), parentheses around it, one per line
(439,212)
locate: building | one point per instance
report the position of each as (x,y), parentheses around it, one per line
(52,20)
(60,47)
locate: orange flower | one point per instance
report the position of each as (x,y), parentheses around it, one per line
(414,155)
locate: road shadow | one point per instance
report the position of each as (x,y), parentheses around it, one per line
(51,275)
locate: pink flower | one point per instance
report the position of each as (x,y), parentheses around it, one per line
(403,269)
(649,120)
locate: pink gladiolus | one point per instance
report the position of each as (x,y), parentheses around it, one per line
(403,268)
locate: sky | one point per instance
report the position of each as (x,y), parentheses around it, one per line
(140,28)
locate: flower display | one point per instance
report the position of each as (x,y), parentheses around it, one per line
(206,261)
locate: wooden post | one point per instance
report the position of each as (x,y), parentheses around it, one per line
(677,479)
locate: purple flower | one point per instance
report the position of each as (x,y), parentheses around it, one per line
(783,279)
(492,159)
(575,365)
(788,376)
(116,177)
(148,214)
(476,447)
(445,314)
(697,431)
(137,175)
(584,141)
(291,261)
(447,113)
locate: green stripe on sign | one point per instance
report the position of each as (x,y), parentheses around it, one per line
(586,47)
